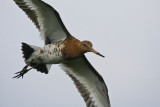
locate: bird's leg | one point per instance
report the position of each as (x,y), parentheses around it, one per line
(22,72)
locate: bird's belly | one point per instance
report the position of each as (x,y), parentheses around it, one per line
(49,59)
(49,54)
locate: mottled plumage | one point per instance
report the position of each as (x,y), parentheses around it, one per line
(62,48)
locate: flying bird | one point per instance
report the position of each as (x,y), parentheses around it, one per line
(64,49)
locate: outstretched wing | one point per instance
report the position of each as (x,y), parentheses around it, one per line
(46,19)
(88,81)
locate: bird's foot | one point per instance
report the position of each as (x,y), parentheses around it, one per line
(21,73)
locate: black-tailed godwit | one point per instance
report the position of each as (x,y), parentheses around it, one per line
(62,48)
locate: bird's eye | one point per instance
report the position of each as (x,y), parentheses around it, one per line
(84,45)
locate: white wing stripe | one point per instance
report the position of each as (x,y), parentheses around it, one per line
(46,19)
(88,84)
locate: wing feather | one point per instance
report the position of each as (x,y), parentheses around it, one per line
(46,19)
(88,82)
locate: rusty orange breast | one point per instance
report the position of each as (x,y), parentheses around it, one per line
(72,48)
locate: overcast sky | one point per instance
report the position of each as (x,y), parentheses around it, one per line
(127,32)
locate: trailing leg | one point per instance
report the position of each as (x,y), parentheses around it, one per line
(28,51)
(22,72)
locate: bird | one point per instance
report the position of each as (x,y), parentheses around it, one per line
(60,47)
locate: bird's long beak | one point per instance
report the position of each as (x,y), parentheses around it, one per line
(94,51)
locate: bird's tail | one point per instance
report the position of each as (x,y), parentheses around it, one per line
(27,50)
(27,53)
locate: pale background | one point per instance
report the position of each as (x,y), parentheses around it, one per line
(127,32)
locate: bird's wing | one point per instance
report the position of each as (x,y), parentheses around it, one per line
(46,19)
(88,81)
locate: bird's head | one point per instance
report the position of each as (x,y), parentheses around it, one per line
(87,47)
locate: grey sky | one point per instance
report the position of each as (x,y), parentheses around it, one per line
(127,32)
